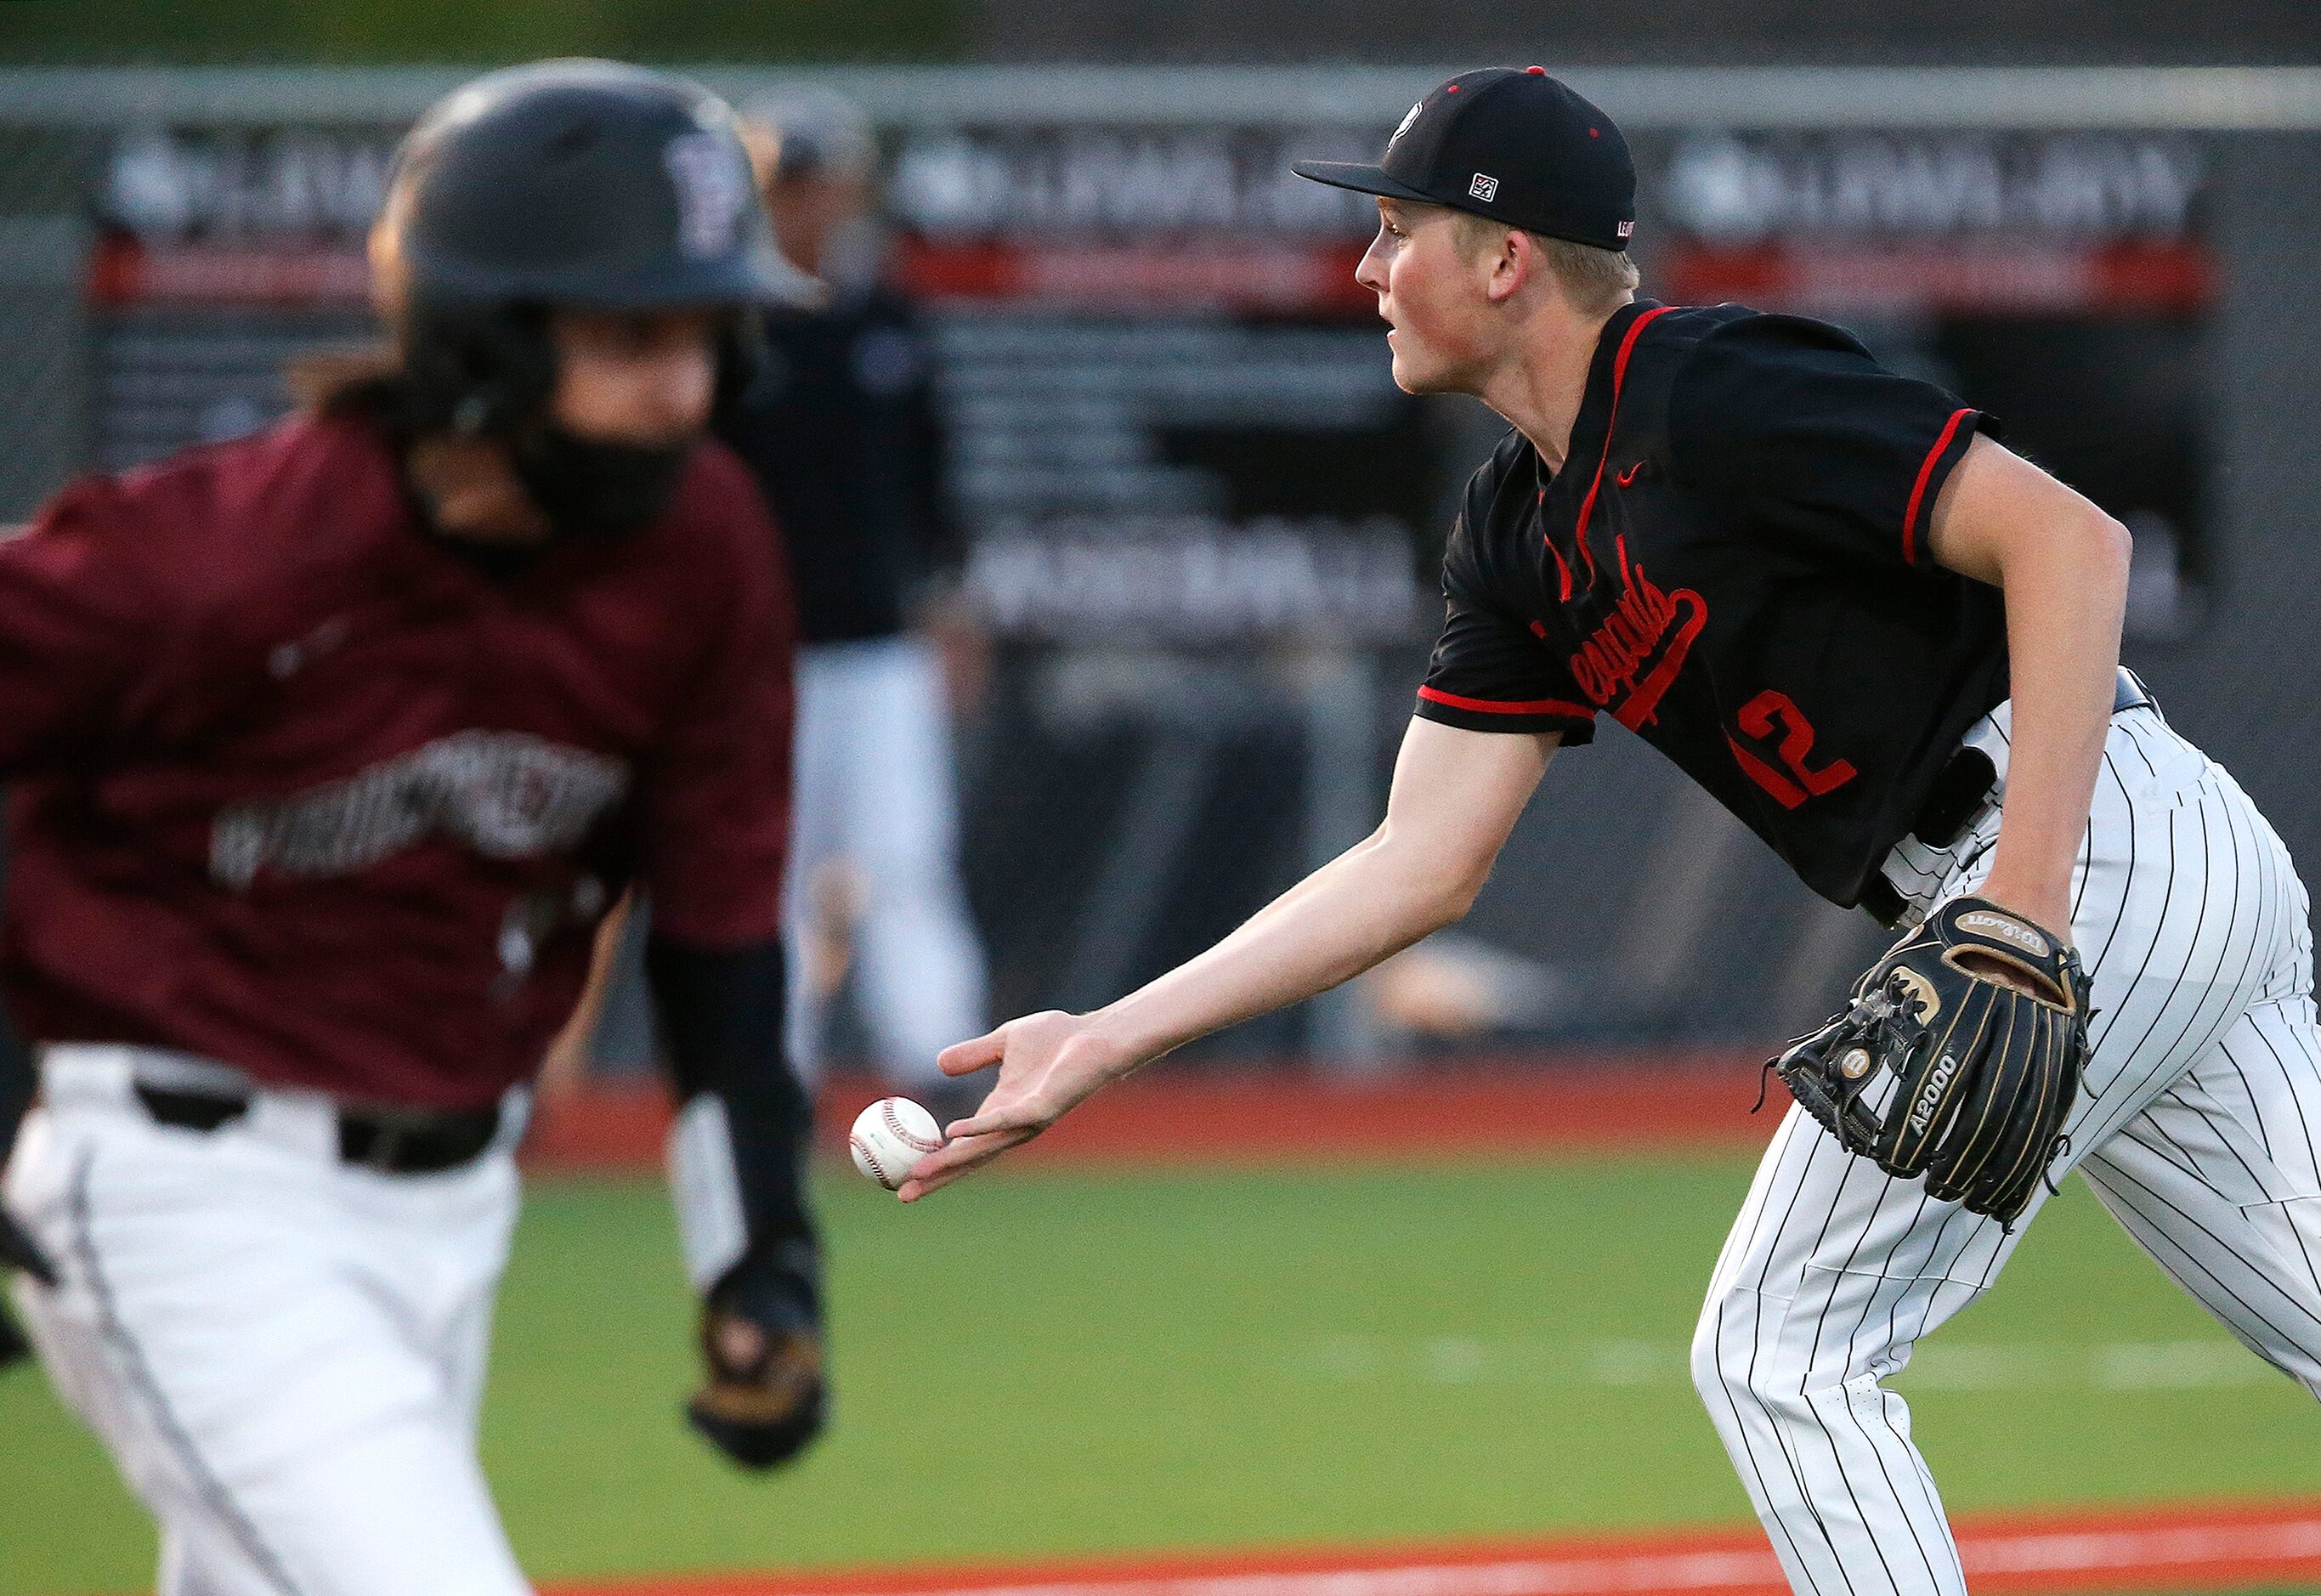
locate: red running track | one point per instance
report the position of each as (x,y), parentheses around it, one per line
(2180,1548)
(1286,1115)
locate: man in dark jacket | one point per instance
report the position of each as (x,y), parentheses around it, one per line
(841,432)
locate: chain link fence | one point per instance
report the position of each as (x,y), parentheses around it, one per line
(1202,515)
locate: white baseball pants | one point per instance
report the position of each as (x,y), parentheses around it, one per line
(284,1353)
(2195,1126)
(875,787)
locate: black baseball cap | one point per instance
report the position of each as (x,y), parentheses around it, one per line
(1510,143)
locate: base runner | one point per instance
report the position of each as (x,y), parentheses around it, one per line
(1890,646)
(333,745)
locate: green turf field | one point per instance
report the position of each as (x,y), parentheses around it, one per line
(1056,1363)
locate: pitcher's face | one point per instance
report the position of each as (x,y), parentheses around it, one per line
(1434,294)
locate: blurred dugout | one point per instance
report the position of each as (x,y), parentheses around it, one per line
(1196,519)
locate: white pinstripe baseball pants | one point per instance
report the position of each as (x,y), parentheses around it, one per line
(2196,1126)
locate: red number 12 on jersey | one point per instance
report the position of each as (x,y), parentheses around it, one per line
(1760,718)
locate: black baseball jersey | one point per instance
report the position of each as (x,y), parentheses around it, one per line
(1733,564)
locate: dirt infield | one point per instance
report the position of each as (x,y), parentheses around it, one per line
(1626,1105)
(2160,1549)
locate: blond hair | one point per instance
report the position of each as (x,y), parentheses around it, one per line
(1593,278)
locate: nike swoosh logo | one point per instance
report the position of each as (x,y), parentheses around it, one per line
(1629,475)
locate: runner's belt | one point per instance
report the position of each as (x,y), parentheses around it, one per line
(391,1142)
(1960,794)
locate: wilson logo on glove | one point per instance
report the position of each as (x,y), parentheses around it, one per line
(2006,930)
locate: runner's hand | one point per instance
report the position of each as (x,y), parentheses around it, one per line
(764,1401)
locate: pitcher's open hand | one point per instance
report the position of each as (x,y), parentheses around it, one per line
(1049,1064)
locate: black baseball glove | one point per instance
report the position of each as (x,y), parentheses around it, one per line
(761,1337)
(1958,1058)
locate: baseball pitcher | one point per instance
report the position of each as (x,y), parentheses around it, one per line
(332,747)
(1838,603)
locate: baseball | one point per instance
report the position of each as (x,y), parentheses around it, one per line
(890,1137)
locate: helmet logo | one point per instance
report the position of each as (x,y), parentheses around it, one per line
(713,187)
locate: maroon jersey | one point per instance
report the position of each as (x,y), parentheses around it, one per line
(302,788)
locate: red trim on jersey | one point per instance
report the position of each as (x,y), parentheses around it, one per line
(1619,372)
(1502,706)
(1562,573)
(1918,490)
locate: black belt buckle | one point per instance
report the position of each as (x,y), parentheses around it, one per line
(415,1144)
(371,1144)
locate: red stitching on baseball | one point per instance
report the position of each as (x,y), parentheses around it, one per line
(870,1155)
(904,1134)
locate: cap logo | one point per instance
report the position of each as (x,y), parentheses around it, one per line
(712,186)
(1403,126)
(1626,229)
(1485,187)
